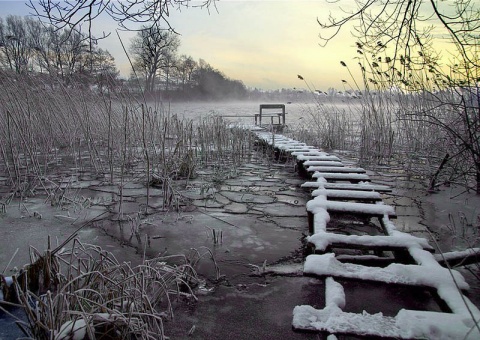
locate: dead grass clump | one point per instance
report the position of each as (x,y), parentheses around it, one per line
(329,124)
(85,292)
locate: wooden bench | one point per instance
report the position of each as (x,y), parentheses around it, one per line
(278,115)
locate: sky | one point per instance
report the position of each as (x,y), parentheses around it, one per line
(263,43)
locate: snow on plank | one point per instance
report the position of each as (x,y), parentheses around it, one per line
(333,320)
(335,169)
(322,157)
(284,140)
(322,240)
(333,194)
(412,275)
(318,217)
(323,163)
(318,211)
(291,145)
(311,152)
(350,207)
(297,149)
(361,186)
(342,177)
(269,138)
(459,258)
(407,324)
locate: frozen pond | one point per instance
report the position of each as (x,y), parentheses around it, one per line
(260,215)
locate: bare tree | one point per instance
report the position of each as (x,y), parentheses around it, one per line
(151,49)
(396,48)
(104,70)
(169,64)
(186,67)
(128,14)
(15,44)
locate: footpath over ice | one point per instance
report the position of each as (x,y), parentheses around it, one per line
(424,271)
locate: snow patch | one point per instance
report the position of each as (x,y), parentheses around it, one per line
(353,194)
(349,207)
(328,265)
(321,240)
(334,293)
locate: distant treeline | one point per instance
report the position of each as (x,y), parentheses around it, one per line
(69,56)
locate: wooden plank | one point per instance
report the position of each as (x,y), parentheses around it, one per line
(459,258)
(237,116)
(308,319)
(323,241)
(377,326)
(320,157)
(312,152)
(348,186)
(272,106)
(354,178)
(333,194)
(335,169)
(322,163)
(411,275)
(363,210)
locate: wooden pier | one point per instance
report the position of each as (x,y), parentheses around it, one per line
(386,255)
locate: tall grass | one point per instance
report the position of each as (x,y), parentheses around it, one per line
(411,130)
(51,129)
(83,289)
(329,124)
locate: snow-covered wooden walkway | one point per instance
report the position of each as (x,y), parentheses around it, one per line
(340,190)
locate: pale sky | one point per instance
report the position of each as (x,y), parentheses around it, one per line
(265,43)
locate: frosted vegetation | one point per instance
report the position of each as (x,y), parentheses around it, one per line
(412,132)
(410,113)
(49,130)
(55,134)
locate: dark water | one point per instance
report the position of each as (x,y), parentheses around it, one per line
(8,329)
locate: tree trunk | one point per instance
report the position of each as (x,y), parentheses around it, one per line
(478,179)
(433,180)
